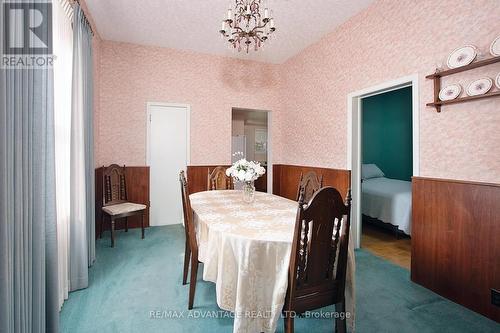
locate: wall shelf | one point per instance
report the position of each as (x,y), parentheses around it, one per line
(465,99)
(436,77)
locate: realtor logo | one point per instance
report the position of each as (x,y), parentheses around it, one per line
(27,34)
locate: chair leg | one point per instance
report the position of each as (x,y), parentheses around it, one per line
(340,324)
(187,254)
(192,282)
(112,232)
(289,323)
(142,225)
(126,224)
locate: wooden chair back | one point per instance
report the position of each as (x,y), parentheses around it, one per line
(114,185)
(310,183)
(318,262)
(218,180)
(188,215)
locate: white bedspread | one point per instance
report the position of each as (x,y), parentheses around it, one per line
(388,200)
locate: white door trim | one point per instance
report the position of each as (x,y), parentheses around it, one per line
(188,129)
(354,139)
(269,153)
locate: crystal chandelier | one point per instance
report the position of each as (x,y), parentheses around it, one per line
(247,25)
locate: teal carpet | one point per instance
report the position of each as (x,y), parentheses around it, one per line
(139,276)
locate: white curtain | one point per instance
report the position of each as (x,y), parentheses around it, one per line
(63,49)
(72,44)
(82,225)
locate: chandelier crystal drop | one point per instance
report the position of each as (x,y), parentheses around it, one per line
(248,25)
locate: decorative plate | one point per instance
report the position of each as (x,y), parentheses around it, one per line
(495,47)
(479,87)
(497,81)
(462,56)
(450,92)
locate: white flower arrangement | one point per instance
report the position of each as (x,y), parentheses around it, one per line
(245,171)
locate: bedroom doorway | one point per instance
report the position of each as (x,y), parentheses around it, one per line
(383,146)
(386,171)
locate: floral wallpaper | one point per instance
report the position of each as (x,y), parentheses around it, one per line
(390,40)
(132,75)
(308,93)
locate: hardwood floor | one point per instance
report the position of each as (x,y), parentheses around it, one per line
(384,244)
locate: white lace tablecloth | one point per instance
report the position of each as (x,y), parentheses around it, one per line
(245,249)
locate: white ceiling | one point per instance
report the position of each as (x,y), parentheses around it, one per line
(194,24)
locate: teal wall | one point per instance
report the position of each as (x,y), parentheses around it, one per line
(387,134)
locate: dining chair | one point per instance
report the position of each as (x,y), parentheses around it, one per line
(310,183)
(218,180)
(191,246)
(115,203)
(318,262)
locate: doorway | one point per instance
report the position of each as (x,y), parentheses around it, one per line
(167,154)
(250,140)
(354,143)
(386,171)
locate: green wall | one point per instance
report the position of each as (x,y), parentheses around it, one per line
(387,134)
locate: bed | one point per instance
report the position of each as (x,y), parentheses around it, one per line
(388,200)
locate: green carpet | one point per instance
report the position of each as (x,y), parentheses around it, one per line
(140,276)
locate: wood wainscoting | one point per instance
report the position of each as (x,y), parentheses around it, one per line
(197,176)
(456,241)
(137,178)
(286,179)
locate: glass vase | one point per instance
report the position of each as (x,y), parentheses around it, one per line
(248,192)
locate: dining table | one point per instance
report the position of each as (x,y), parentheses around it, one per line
(245,249)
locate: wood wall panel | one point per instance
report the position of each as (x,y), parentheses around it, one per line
(137,178)
(286,179)
(138,191)
(98,199)
(197,177)
(456,241)
(261,183)
(277,179)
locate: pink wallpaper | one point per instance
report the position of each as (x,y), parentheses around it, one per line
(307,94)
(132,75)
(389,40)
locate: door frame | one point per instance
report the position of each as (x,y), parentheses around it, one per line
(354,117)
(148,128)
(269,144)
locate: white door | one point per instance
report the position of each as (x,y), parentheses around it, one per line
(168,155)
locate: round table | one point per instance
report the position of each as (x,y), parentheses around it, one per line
(245,249)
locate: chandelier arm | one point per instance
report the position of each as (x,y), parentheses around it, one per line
(259,27)
(258,38)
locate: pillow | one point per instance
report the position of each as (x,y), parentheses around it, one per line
(370,171)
